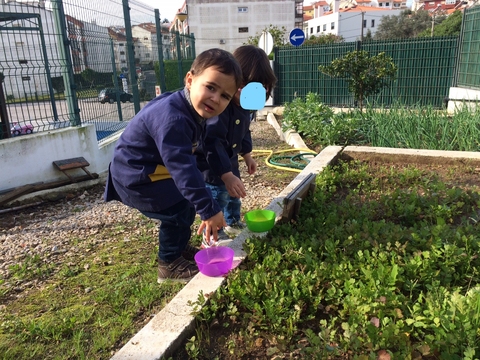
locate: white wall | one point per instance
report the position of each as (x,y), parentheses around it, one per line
(460,97)
(28,159)
(348,24)
(219,19)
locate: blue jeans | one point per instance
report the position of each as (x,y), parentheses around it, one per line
(175,229)
(230,205)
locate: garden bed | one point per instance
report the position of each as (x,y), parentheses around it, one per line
(382,263)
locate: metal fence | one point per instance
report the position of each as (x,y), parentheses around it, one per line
(469,54)
(57,57)
(425,71)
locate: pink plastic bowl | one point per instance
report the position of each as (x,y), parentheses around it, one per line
(215,260)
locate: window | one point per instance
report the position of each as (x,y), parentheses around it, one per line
(324,27)
(122,52)
(123,61)
(121,44)
(364,23)
(380,4)
(318,28)
(311,30)
(147,55)
(332,26)
(387,4)
(243,29)
(373,23)
(145,38)
(243,9)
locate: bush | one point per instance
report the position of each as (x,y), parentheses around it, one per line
(319,125)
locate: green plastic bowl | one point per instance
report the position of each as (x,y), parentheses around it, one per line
(260,220)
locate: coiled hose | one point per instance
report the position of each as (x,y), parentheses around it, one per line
(295,163)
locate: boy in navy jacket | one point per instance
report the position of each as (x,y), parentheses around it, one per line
(154,169)
(228,136)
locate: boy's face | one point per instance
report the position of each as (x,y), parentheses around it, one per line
(210,92)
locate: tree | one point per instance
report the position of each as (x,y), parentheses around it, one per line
(324,39)
(278,35)
(446,26)
(365,75)
(406,25)
(90,76)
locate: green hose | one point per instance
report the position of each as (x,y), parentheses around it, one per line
(294,163)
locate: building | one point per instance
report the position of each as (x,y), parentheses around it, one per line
(349,20)
(229,24)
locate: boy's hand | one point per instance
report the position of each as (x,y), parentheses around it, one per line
(234,185)
(251,164)
(211,225)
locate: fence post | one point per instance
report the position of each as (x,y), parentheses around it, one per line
(5,123)
(115,79)
(179,60)
(131,56)
(161,65)
(192,38)
(67,65)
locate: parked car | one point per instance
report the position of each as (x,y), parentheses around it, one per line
(110,96)
(18,129)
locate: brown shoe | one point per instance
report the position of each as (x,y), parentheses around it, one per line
(190,252)
(178,270)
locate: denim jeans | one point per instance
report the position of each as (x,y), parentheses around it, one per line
(230,205)
(175,229)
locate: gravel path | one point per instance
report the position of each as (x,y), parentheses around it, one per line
(46,231)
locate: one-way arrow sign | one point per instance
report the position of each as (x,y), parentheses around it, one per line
(297,37)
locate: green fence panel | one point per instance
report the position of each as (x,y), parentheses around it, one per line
(469,54)
(425,71)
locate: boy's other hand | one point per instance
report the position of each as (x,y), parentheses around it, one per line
(234,185)
(251,164)
(211,225)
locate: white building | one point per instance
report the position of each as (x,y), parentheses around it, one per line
(228,24)
(352,22)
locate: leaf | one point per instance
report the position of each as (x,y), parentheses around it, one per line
(272,350)
(383,355)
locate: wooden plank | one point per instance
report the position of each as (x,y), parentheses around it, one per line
(21,190)
(73,163)
(292,202)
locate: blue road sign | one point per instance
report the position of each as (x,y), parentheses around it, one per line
(297,37)
(122,76)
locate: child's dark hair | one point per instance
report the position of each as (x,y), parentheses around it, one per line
(220,59)
(255,67)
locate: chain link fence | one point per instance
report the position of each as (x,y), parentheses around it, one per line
(71,62)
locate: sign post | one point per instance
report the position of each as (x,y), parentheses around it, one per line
(297,37)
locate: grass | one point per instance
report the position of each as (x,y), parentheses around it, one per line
(83,308)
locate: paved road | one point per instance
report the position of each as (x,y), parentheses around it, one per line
(41,115)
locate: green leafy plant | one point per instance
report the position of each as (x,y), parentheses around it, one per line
(381,260)
(365,75)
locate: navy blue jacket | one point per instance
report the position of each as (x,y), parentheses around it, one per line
(225,138)
(153,165)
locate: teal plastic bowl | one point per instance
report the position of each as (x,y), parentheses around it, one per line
(260,220)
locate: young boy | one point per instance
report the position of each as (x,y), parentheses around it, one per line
(154,169)
(228,136)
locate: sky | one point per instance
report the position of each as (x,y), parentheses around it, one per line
(167,8)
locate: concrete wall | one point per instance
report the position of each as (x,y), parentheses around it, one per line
(459,97)
(27,159)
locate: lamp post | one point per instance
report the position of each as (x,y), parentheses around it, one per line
(182,16)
